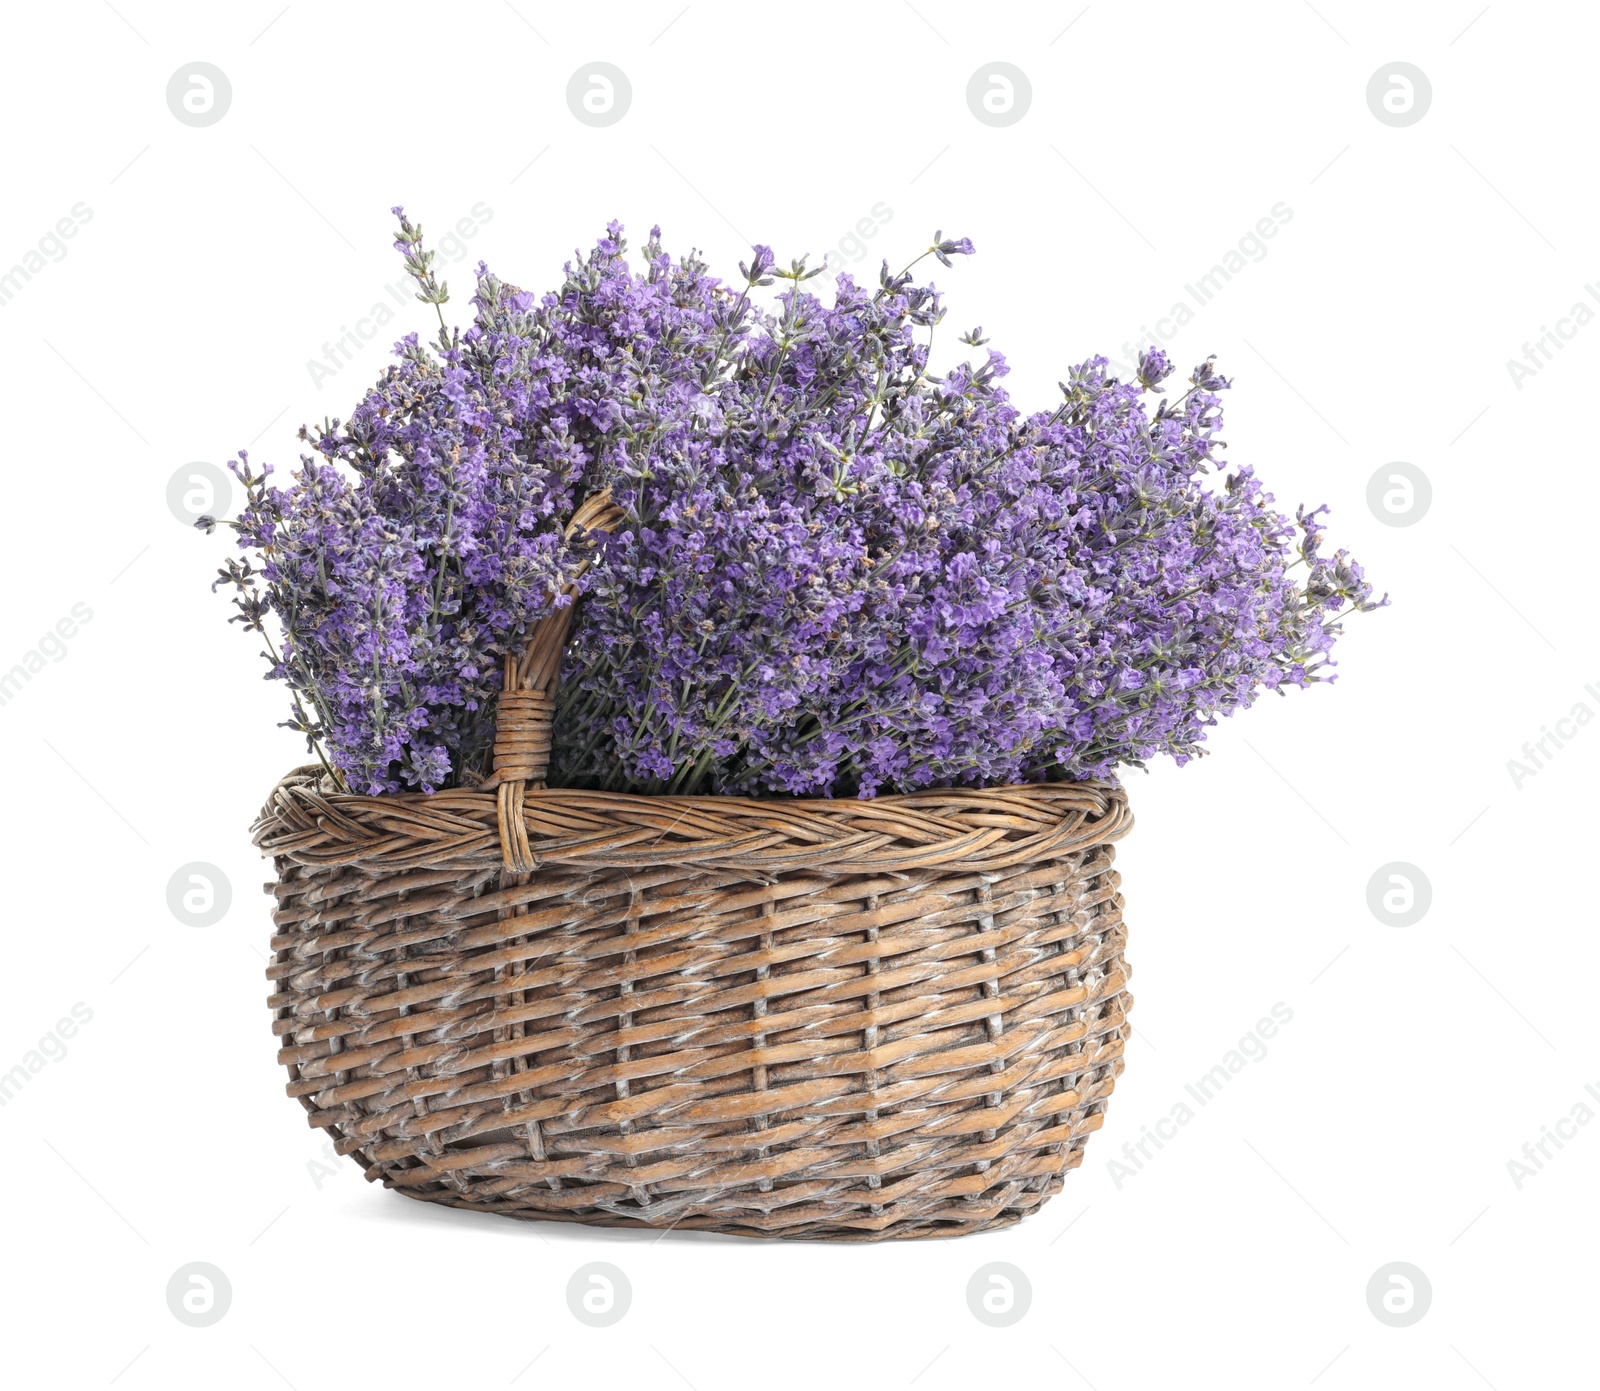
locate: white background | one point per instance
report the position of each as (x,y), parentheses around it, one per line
(1379,1124)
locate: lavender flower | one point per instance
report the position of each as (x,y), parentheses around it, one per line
(839,573)
(842,575)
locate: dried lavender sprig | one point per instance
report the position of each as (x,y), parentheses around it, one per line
(420,264)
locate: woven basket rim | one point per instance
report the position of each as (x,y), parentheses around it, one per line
(973,828)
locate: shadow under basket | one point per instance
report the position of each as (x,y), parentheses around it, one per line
(848,1020)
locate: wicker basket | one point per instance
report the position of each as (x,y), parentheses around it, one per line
(824,1019)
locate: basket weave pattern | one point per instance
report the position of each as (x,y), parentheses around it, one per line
(853,1020)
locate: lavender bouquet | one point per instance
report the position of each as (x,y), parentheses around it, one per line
(839,572)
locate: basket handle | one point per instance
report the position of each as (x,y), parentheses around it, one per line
(526,708)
